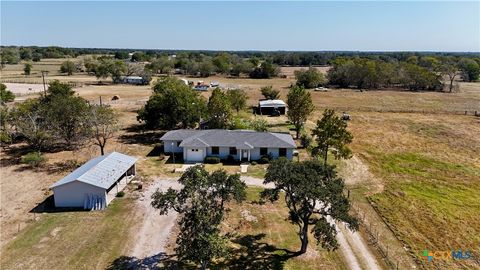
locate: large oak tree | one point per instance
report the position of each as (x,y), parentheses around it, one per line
(314,196)
(202,205)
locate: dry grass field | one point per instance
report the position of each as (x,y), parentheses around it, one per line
(430,169)
(423,153)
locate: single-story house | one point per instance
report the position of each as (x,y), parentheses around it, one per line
(242,145)
(267,107)
(95,183)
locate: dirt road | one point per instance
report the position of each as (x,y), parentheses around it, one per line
(252,181)
(355,250)
(155,229)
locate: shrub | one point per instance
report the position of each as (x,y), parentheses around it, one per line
(230,158)
(269,93)
(5,95)
(260,125)
(253,163)
(212,160)
(5,138)
(305,140)
(264,160)
(309,78)
(33,159)
(120,194)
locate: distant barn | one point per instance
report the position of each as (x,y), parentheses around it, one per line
(94,185)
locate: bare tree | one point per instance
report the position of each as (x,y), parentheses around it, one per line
(28,121)
(134,69)
(451,70)
(104,124)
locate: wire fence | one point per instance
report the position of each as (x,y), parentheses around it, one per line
(375,239)
(452,112)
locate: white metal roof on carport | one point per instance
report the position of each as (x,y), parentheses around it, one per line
(272,103)
(102,171)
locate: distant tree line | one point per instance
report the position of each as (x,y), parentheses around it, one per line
(424,73)
(290,58)
(364,70)
(205,65)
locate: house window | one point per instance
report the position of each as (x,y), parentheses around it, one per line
(215,150)
(263,151)
(233,151)
(282,152)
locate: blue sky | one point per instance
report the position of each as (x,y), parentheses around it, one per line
(353,26)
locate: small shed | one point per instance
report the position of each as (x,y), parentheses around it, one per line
(267,107)
(134,80)
(95,184)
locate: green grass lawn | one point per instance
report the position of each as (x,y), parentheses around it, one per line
(72,240)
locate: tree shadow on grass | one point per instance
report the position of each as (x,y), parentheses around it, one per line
(255,254)
(252,254)
(157,261)
(136,135)
(12,155)
(55,168)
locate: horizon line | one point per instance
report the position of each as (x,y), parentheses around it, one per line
(242,50)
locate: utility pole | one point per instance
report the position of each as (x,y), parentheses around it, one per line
(100,101)
(44,87)
(173,156)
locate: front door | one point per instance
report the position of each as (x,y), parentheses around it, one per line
(244,154)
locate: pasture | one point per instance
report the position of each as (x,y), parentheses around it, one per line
(419,146)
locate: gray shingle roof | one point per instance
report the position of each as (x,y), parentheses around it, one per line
(101,171)
(241,139)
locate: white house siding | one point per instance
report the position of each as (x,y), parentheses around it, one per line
(223,152)
(167,146)
(255,153)
(73,194)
